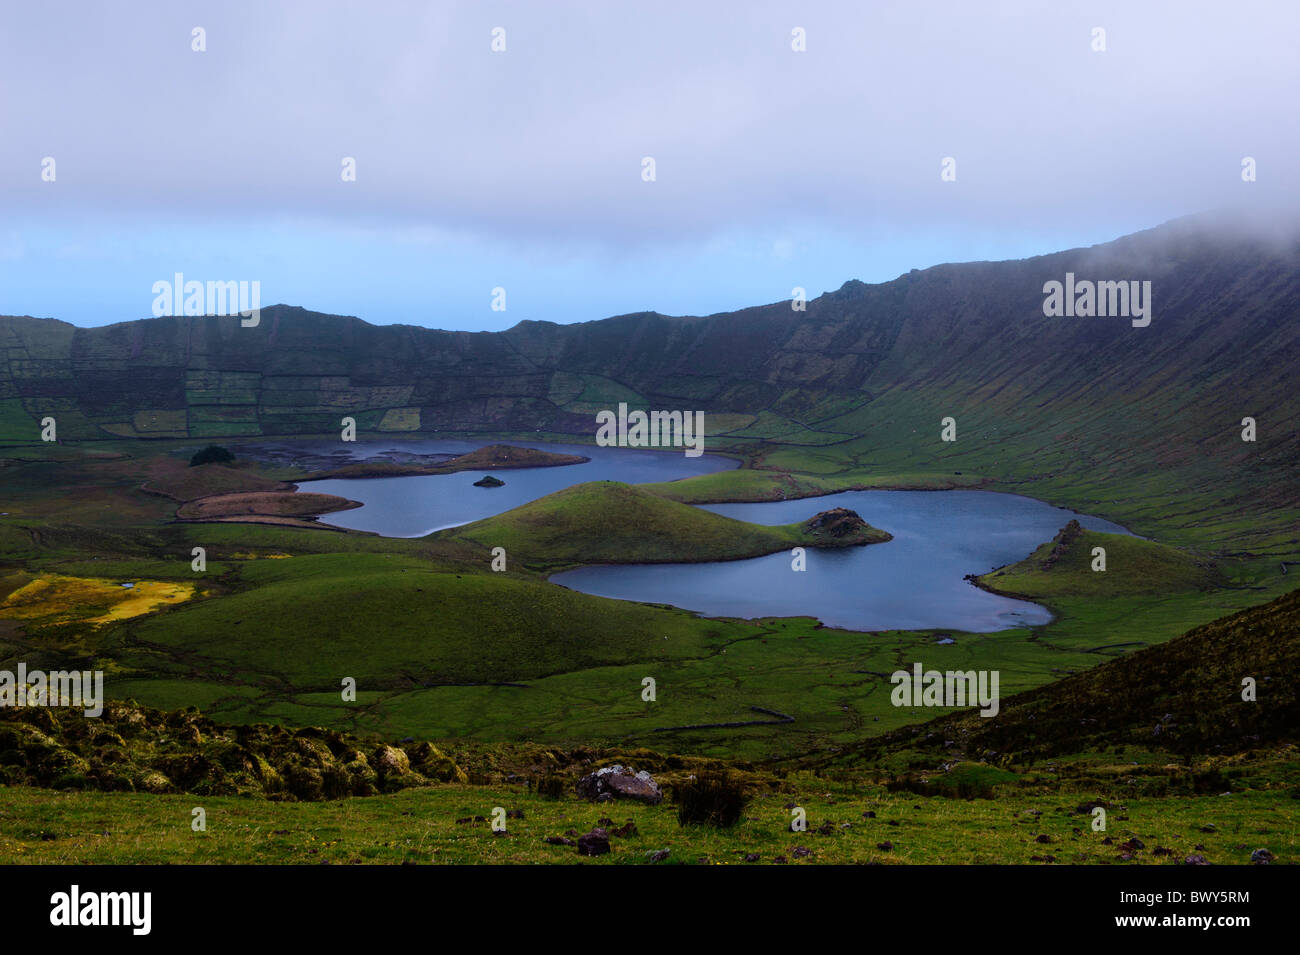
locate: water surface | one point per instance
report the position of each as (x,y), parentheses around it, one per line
(914,582)
(415,506)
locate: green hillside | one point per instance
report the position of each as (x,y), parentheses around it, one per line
(610,522)
(1183,697)
(1064,567)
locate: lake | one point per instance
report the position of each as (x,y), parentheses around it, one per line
(914,582)
(415,506)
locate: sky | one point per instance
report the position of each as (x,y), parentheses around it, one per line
(524,169)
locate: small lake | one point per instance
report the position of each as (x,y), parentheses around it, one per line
(415,506)
(914,582)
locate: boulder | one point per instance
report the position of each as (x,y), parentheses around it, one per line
(619,782)
(388,760)
(153,782)
(433,763)
(594,843)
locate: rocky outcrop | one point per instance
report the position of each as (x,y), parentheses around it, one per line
(619,782)
(841,527)
(837,522)
(134,748)
(1061,544)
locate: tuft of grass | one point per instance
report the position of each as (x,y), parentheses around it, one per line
(711,798)
(550,786)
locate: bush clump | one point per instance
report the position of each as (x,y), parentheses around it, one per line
(550,786)
(711,799)
(212,454)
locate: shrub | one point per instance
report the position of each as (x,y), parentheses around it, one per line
(550,786)
(212,454)
(336,783)
(711,798)
(304,782)
(1210,781)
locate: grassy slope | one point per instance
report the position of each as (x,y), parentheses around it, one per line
(1063,567)
(492,457)
(610,522)
(1185,696)
(176,480)
(747,484)
(1025,816)
(1183,502)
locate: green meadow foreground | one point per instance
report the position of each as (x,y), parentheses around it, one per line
(437,825)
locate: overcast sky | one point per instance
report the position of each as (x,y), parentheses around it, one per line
(524,168)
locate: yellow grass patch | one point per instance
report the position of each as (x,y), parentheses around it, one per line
(65,598)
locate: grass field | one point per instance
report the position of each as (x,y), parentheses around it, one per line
(442,647)
(1019,826)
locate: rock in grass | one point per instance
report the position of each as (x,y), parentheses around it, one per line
(619,782)
(390,760)
(594,843)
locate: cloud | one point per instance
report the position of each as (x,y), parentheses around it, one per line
(544,141)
